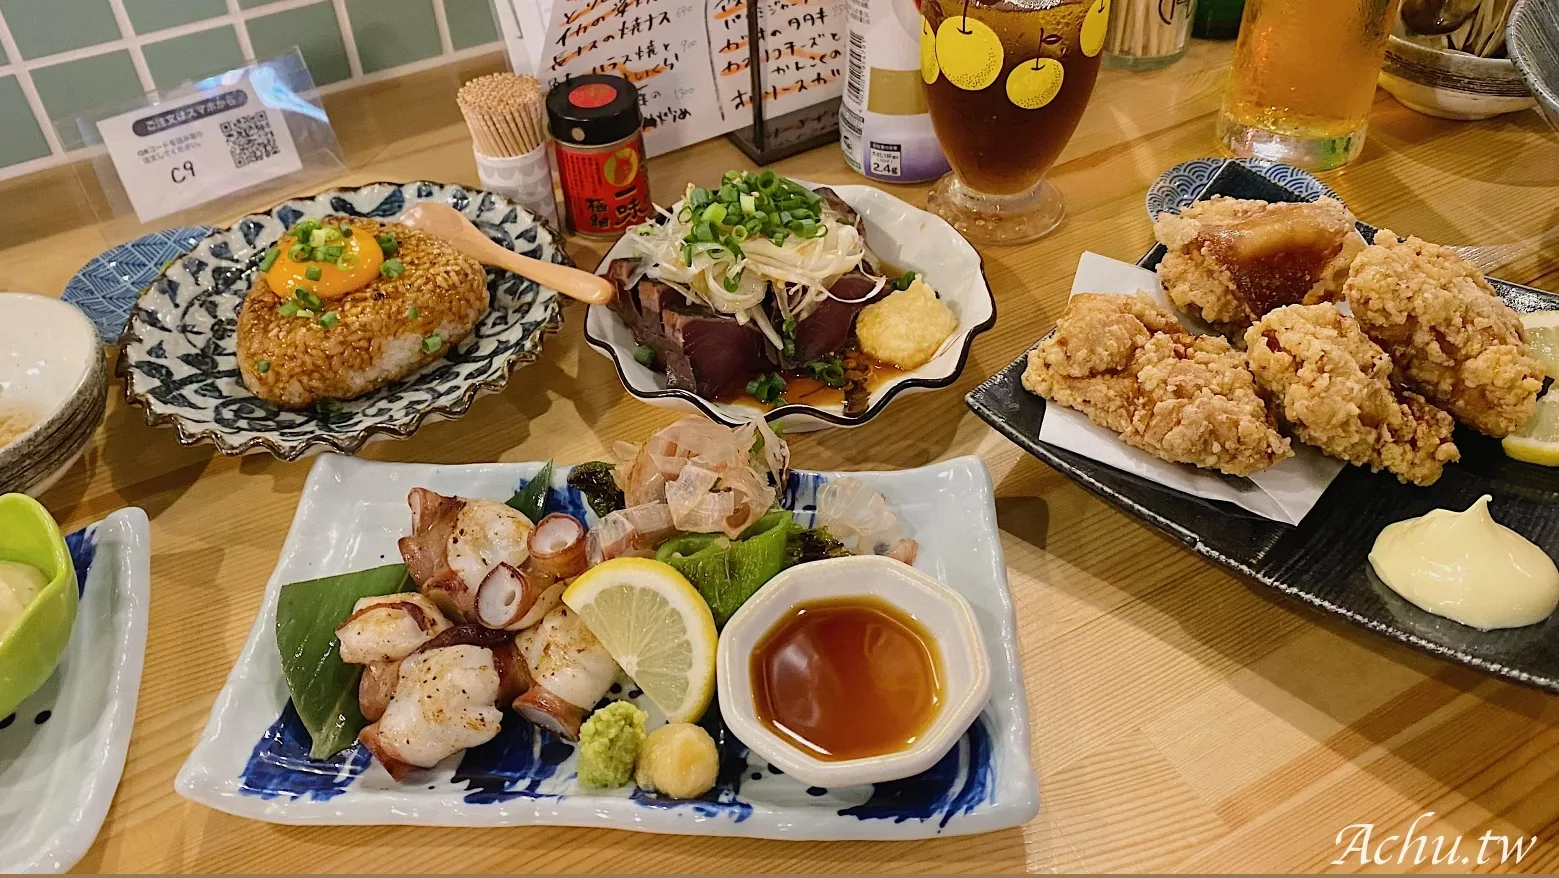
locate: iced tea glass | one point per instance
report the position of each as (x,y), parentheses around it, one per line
(1006,83)
(1304,80)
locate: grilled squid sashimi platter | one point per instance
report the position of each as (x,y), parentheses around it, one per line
(518,612)
(763,289)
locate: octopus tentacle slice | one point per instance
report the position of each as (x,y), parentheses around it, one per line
(444,702)
(456,543)
(387,628)
(388,757)
(546,602)
(376,688)
(513,673)
(504,597)
(571,672)
(557,546)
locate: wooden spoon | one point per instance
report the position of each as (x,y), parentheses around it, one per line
(443,221)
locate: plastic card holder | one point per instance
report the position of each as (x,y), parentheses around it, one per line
(207,151)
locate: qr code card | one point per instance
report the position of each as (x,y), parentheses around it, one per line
(190,150)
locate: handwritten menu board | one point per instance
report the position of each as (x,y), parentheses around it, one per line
(689,58)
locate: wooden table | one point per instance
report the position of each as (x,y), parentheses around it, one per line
(1181,719)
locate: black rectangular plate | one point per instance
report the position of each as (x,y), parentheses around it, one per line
(1324,560)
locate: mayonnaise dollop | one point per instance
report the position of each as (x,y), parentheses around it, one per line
(19,584)
(1468,567)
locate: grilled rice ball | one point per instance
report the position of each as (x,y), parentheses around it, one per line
(387,330)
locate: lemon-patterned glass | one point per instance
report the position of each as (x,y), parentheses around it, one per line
(1006,83)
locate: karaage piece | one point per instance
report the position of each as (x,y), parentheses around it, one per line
(1332,386)
(1231,260)
(1128,365)
(1450,335)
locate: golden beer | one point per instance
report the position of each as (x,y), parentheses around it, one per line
(1304,79)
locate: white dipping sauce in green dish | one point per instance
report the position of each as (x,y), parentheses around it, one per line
(19,584)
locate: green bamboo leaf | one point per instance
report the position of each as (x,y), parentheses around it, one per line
(324,688)
(533,497)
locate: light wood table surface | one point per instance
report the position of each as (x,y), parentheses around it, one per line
(1182,720)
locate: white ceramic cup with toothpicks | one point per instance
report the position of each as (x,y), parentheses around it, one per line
(507,119)
(527,179)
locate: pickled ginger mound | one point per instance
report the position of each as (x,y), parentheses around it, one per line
(1467,567)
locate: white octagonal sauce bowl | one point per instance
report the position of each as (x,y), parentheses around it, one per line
(943,612)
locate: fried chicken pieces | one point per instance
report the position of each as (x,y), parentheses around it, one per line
(1128,365)
(1231,260)
(1332,386)
(1450,335)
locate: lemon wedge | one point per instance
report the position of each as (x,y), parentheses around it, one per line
(657,627)
(1542,332)
(1538,440)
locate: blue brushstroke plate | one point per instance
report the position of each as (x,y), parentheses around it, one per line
(106,287)
(178,355)
(253,759)
(63,751)
(1180,186)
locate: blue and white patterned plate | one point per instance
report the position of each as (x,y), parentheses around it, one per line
(178,354)
(106,287)
(1179,186)
(253,759)
(63,750)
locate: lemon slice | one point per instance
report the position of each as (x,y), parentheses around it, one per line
(1542,332)
(1538,440)
(657,627)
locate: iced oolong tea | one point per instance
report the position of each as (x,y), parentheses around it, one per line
(1007,81)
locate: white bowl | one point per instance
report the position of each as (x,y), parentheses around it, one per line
(52,378)
(965,666)
(901,235)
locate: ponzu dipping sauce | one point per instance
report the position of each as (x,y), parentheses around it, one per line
(847,678)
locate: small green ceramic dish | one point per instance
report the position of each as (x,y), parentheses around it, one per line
(29,652)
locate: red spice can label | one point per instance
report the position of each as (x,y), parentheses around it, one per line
(605,191)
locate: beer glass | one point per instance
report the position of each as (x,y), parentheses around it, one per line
(1304,79)
(1006,83)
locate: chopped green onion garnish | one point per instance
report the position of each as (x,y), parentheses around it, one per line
(332,235)
(319,238)
(732,282)
(644,355)
(830,371)
(306,313)
(288,309)
(699,197)
(412,312)
(749,204)
(714,213)
(347,262)
(346,230)
(270,259)
(329,319)
(432,343)
(304,229)
(262,366)
(727,194)
(903,281)
(391,268)
(331,253)
(388,244)
(298,253)
(312,272)
(767,388)
(704,232)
